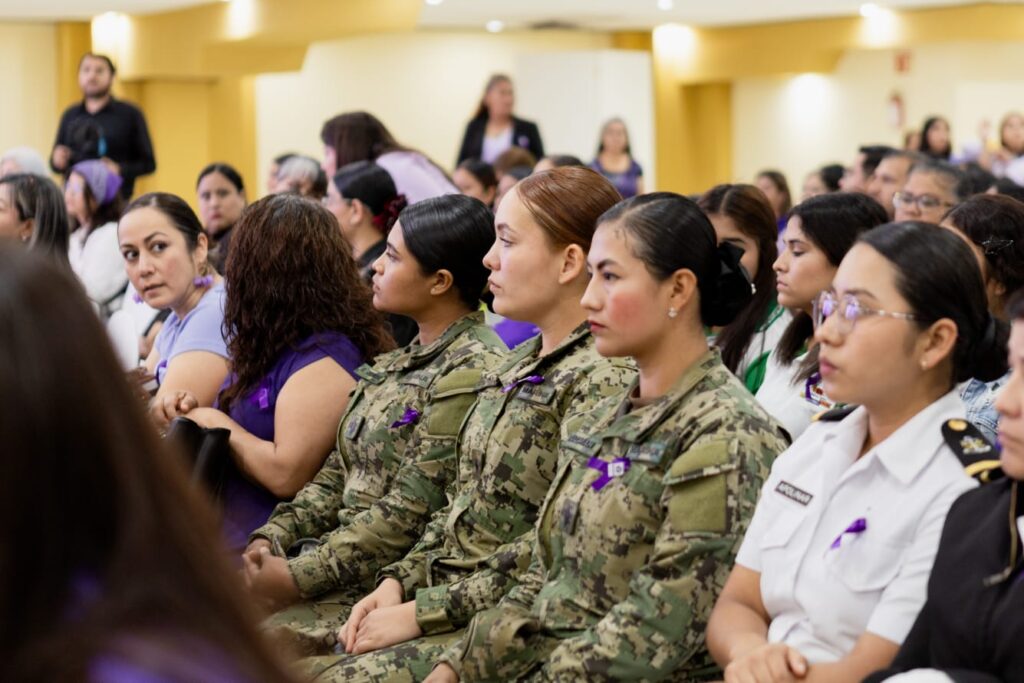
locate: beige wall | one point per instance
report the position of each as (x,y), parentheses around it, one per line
(424,87)
(803,121)
(28,86)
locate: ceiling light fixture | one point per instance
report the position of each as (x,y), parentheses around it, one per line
(666,5)
(495,26)
(434,2)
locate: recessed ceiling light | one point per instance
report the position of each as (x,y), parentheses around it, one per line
(666,5)
(495,25)
(434,2)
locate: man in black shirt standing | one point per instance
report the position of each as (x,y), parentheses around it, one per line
(102,127)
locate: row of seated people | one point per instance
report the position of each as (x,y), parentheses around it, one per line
(607,501)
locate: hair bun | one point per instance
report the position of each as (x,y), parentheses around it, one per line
(732,289)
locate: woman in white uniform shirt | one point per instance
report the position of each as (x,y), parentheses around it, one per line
(833,569)
(819,233)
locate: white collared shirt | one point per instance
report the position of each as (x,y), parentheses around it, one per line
(785,397)
(822,598)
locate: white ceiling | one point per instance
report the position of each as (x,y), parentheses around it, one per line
(594,14)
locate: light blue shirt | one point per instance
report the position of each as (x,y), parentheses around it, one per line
(979,397)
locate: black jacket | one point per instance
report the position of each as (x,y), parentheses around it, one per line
(525,134)
(118,131)
(970,628)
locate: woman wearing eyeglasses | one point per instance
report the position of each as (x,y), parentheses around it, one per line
(833,569)
(932,189)
(969,629)
(993,227)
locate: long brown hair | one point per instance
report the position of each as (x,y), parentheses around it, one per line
(482,112)
(749,210)
(105,550)
(289,276)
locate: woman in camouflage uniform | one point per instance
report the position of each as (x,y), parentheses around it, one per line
(395,442)
(473,551)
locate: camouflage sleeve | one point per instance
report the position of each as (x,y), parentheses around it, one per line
(411,570)
(444,608)
(511,620)
(450,606)
(314,510)
(661,622)
(354,553)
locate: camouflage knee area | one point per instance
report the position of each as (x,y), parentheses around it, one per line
(402,663)
(310,628)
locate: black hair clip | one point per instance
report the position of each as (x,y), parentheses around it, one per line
(993,246)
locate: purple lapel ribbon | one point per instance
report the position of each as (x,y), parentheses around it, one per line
(608,470)
(262,398)
(410,416)
(858,526)
(532,379)
(811,381)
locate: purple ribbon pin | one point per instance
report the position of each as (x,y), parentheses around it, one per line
(262,398)
(410,416)
(532,379)
(858,526)
(812,381)
(608,470)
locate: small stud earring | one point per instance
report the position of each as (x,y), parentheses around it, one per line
(672,312)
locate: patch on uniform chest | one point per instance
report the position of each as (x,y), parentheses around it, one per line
(795,494)
(652,453)
(421,378)
(370,374)
(354,426)
(582,444)
(540,394)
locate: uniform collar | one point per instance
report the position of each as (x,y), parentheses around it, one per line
(515,370)
(634,425)
(414,355)
(911,447)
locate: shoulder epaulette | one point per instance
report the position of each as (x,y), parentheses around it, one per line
(833,414)
(976,453)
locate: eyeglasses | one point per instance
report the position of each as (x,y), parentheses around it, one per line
(924,202)
(849,311)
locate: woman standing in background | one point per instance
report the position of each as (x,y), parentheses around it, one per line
(615,160)
(494,129)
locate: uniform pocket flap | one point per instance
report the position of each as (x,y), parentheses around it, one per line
(704,460)
(457,382)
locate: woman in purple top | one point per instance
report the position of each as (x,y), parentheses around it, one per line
(110,565)
(299,320)
(615,160)
(165,253)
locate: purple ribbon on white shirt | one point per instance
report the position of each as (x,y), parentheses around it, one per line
(410,416)
(811,381)
(532,379)
(608,470)
(857,526)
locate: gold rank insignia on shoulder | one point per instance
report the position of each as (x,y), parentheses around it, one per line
(978,456)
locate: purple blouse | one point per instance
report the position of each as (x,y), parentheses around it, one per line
(626,183)
(247,505)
